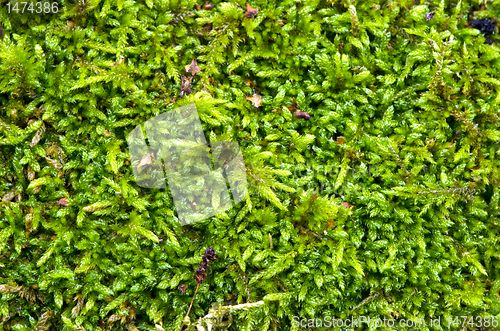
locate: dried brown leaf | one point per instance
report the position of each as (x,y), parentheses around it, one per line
(207,27)
(347,205)
(146,160)
(9,195)
(38,135)
(31,173)
(256,100)
(63,202)
(43,322)
(28,223)
(207,6)
(193,67)
(79,305)
(54,163)
(293,107)
(186,85)
(251,12)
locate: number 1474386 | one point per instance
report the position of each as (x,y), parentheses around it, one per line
(473,321)
(33,7)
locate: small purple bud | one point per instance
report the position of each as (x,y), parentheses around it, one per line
(302,114)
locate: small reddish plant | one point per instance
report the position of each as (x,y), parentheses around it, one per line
(200,275)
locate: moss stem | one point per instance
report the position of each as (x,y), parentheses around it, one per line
(191,305)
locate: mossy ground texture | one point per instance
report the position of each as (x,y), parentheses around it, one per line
(370,134)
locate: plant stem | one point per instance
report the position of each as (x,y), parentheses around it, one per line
(191,305)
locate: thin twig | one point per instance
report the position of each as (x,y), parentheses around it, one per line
(191,305)
(366,300)
(400,162)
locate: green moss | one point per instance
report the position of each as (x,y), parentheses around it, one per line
(375,206)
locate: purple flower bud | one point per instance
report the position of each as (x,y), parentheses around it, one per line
(302,114)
